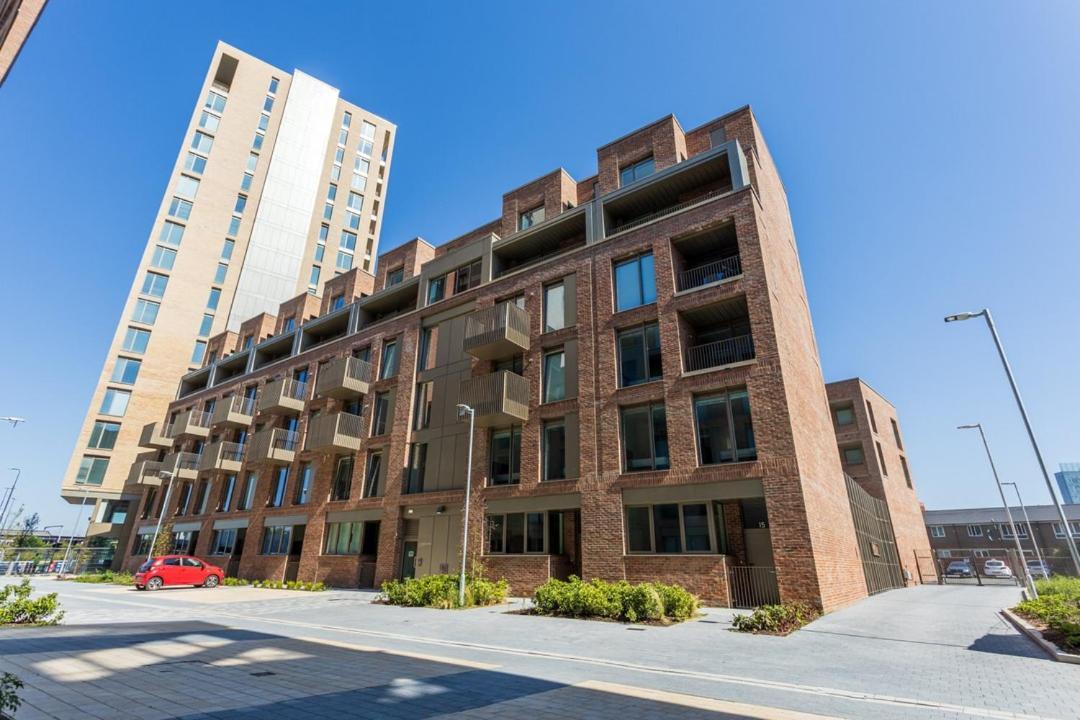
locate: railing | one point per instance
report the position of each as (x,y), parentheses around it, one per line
(142,468)
(671,210)
(335,374)
(282,389)
(715,271)
(719,353)
(325,430)
(152,437)
(182,461)
(282,439)
(753,585)
(501,392)
(505,321)
(242,405)
(292,388)
(231,452)
(191,419)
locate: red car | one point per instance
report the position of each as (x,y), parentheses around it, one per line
(177,570)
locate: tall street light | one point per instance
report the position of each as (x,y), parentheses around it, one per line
(985,314)
(167,477)
(1031,528)
(464,410)
(1008,512)
(75,527)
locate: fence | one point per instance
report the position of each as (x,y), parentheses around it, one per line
(753,585)
(877,542)
(41,561)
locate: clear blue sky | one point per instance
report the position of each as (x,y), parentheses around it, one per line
(929,151)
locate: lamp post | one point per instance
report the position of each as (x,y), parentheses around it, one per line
(985,314)
(167,477)
(1027,521)
(7,501)
(464,410)
(1008,513)
(75,527)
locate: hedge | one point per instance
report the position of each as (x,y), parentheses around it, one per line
(1058,609)
(441,591)
(644,602)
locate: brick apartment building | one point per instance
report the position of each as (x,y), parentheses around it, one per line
(637,347)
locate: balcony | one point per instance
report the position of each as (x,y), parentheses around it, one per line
(226,456)
(145,472)
(183,465)
(707,257)
(344,378)
(717,335)
(499,398)
(336,431)
(154,437)
(235,411)
(497,332)
(193,423)
(283,395)
(275,445)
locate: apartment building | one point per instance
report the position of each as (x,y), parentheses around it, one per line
(1068,480)
(983,533)
(638,351)
(277,187)
(17,21)
(872,453)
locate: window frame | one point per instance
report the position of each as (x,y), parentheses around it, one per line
(710,522)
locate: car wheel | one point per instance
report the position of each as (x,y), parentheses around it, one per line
(211,581)
(154,583)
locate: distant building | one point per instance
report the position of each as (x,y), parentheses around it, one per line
(17,19)
(1069,482)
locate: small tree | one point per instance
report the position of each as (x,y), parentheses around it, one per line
(164,542)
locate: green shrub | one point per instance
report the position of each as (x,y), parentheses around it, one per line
(18,608)
(1058,608)
(776,619)
(441,591)
(9,693)
(302,585)
(644,602)
(106,576)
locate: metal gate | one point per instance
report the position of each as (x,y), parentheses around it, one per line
(877,542)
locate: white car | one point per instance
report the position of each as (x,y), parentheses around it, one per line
(997,568)
(1038,568)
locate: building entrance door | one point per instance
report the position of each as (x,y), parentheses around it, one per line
(296,548)
(408,560)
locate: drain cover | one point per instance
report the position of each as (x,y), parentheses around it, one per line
(262,673)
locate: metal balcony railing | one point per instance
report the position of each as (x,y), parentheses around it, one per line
(344,377)
(499,398)
(191,422)
(183,465)
(283,394)
(222,456)
(753,585)
(711,272)
(237,410)
(497,331)
(275,444)
(341,431)
(144,469)
(719,353)
(670,210)
(154,435)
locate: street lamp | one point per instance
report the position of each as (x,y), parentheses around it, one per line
(985,314)
(75,527)
(167,477)
(1023,508)
(464,410)
(1008,513)
(7,501)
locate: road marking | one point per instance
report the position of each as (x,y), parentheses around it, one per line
(399,653)
(761,712)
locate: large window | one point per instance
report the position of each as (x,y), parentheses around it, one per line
(669,528)
(853,455)
(342,486)
(506,456)
(414,475)
(202,142)
(277,490)
(636,171)
(91,470)
(171,233)
(467,276)
(126,370)
(844,415)
(531,217)
(635,282)
(136,340)
(554,375)
(343,538)
(639,355)
(163,258)
(224,542)
(303,485)
(103,436)
(436,289)
(381,414)
(154,284)
(195,163)
(553,450)
(226,494)
(554,307)
(276,540)
(187,187)
(371,475)
(725,432)
(516,533)
(145,312)
(422,411)
(644,438)
(247,499)
(388,368)
(395,277)
(114,402)
(180,208)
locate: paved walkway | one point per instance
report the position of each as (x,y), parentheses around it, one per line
(932,652)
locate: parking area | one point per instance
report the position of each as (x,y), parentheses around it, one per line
(929,652)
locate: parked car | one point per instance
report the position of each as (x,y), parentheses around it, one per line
(997,569)
(158,572)
(1038,568)
(960,568)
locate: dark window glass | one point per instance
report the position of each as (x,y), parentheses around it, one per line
(436,289)
(414,482)
(496,525)
(506,456)
(639,535)
(467,276)
(635,282)
(725,431)
(534,532)
(382,409)
(554,450)
(644,435)
(371,479)
(666,528)
(639,355)
(515,533)
(636,171)
(342,478)
(696,528)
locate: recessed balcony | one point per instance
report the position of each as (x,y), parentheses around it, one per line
(499,398)
(716,335)
(707,257)
(275,445)
(497,332)
(344,378)
(191,423)
(153,436)
(340,432)
(183,465)
(283,395)
(236,411)
(227,456)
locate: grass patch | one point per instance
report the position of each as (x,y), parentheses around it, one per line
(782,619)
(106,577)
(441,591)
(18,608)
(647,602)
(1056,612)
(300,585)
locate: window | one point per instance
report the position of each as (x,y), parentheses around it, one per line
(180,208)
(276,538)
(636,171)
(154,284)
(554,375)
(313,280)
(202,142)
(290,324)
(136,340)
(171,233)
(268,104)
(371,474)
(273,85)
(870,414)
(554,307)
(337,302)
(206,325)
(226,494)
(234,225)
(252,162)
(219,274)
(937,531)
(467,276)
(245,181)
(209,122)
(853,455)
(669,528)
(257,141)
(103,436)
(896,434)
(844,415)
(91,470)
(1021,530)
(213,299)
(352,220)
(388,367)
(186,187)
(428,338)
(145,311)
(320,252)
(422,410)
(635,282)
(907,473)
(114,402)
(163,258)
(342,486)
(506,456)
(553,450)
(414,476)
(343,538)
(277,491)
(215,102)
(355,201)
(344,261)
(201,497)
(198,352)
(224,542)
(241,203)
(724,429)
(195,163)
(247,499)
(644,438)
(185,499)
(516,533)
(303,486)
(358,182)
(974,531)
(227,249)
(881,459)
(126,371)
(436,289)
(348,240)
(639,355)
(380,413)
(531,217)
(395,276)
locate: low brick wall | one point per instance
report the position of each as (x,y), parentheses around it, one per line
(264,567)
(344,571)
(525,573)
(703,575)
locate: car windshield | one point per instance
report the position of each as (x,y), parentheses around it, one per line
(146,566)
